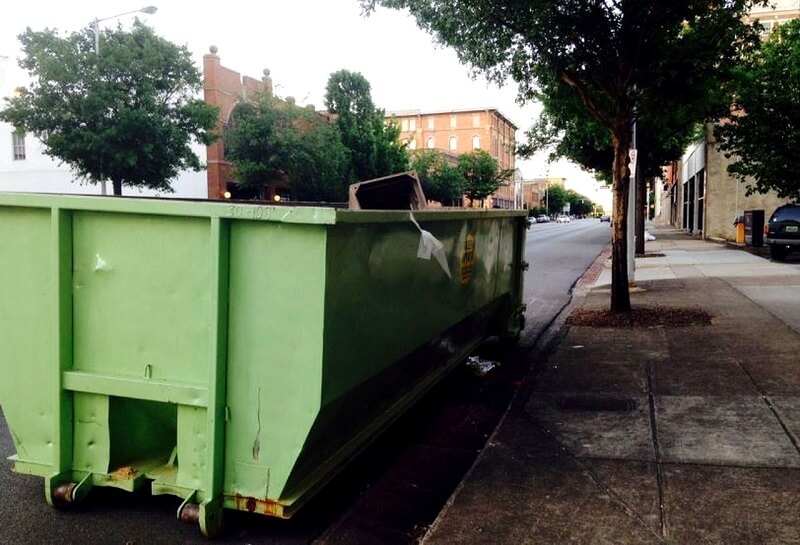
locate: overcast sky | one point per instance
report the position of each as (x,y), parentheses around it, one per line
(302,42)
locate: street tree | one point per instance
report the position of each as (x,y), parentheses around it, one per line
(568,130)
(482,174)
(440,181)
(555,199)
(274,142)
(374,146)
(579,205)
(762,134)
(127,113)
(614,56)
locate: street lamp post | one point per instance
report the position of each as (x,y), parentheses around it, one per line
(95,26)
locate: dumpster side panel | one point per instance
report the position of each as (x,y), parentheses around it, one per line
(276,298)
(395,323)
(26,345)
(140,295)
(385,301)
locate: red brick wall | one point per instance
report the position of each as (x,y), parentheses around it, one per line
(224,88)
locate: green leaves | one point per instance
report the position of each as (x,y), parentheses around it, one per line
(274,142)
(128,114)
(482,174)
(762,133)
(440,181)
(374,147)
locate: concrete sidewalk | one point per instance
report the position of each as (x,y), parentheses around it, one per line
(654,435)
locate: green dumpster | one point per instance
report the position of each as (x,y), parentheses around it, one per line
(233,355)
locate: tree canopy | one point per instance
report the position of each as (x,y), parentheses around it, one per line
(440,181)
(127,113)
(555,199)
(762,132)
(617,58)
(482,174)
(374,146)
(275,142)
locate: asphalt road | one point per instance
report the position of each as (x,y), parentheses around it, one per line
(558,253)
(388,495)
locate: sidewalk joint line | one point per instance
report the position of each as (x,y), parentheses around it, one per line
(768,401)
(587,471)
(656,449)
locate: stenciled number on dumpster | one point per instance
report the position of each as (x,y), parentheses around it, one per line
(468,260)
(249,212)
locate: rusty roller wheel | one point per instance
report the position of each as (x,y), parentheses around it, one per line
(63,493)
(190,514)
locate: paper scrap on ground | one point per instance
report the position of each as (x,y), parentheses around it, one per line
(480,366)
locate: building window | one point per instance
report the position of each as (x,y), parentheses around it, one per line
(412,144)
(431,123)
(404,125)
(18,145)
(453,143)
(431,143)
(412,124)
(453,121)
(476,121)
(476,142)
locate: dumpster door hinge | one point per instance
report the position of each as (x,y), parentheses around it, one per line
(524,265)
(227,413)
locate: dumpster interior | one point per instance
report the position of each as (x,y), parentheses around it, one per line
(397,192)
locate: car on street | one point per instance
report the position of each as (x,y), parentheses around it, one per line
(542,219)
(782,231)
(563,219)
(605,218)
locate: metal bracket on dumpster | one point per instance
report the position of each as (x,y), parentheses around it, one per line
(69,492)
(80,490)
(190,514)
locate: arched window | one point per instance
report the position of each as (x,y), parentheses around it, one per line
(453,143)
(431,143)
(412,144)
(476,142)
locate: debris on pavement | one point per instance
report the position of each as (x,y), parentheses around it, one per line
(480,366)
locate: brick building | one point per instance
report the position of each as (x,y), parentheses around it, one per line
(224,88)
(460,131)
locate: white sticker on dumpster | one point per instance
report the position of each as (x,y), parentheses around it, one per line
(429,246)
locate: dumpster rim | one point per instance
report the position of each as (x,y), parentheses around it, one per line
(172,207)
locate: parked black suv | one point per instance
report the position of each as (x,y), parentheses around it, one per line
(782,232)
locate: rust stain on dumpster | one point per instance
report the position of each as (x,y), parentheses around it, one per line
(255,505)
(124,473)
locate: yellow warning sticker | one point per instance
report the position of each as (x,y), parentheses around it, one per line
(468,260)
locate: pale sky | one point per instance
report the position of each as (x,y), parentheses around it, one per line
(302,42)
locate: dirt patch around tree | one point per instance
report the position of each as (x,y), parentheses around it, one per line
(652,316)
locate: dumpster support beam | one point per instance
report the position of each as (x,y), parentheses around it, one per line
(211,508)
(61,244)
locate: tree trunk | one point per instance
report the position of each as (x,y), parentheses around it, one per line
(641,191)
(620,294)
(117,187)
